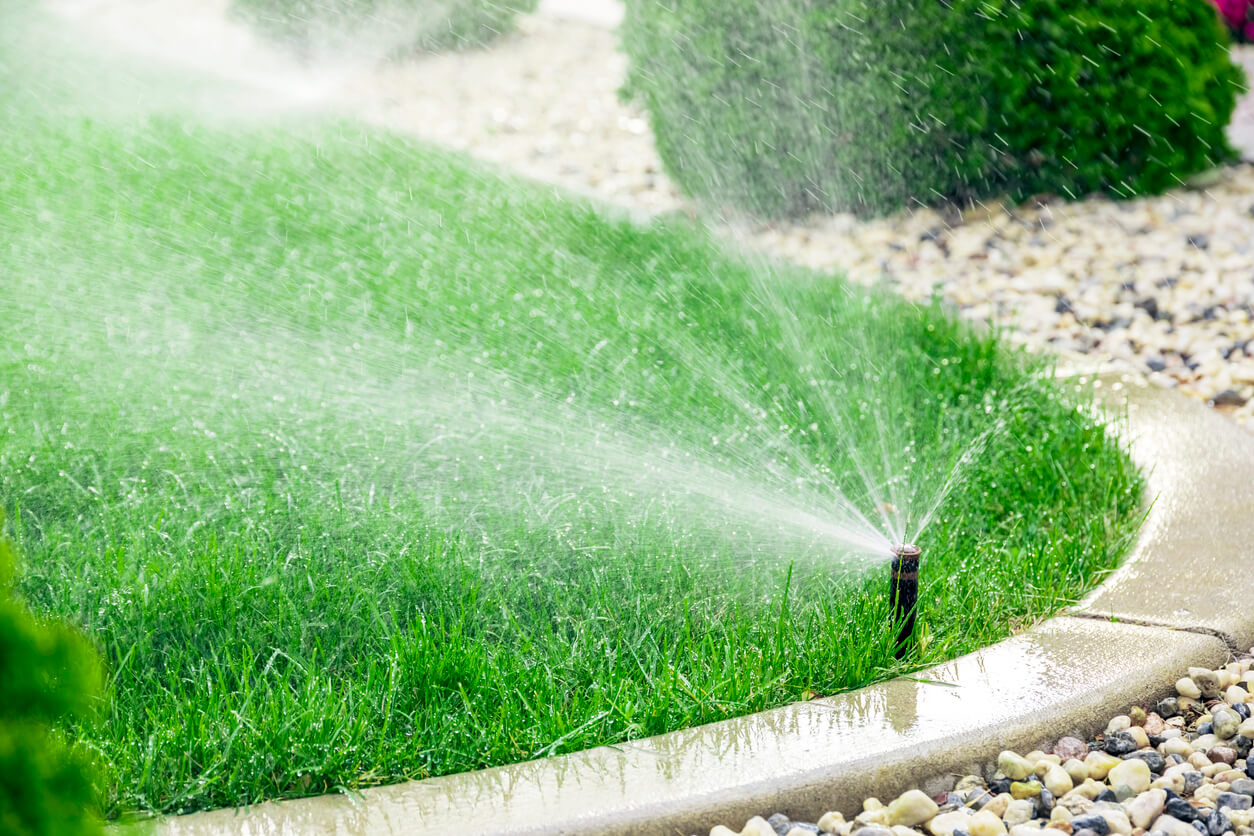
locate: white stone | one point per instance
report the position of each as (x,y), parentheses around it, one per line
(985,823)
(758,826)
(1100,764)
(1236,694)
(1060,814)
(1025,830)
(999,804)
(1134,773)
(1146,807)
(1118,723)
(911,808)
(1186,687)
(1117,819)
(721,830)
(1246,729)
(946,823)
(1171,826)
(1076,771)
(1057,781)
(831,821)
(877,816)
(1076,803)
(1018,812)
(1013,766)
(1208,794)
(1176,746)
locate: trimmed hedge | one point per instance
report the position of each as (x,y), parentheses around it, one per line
(397,25)
(784,107)
(48,673)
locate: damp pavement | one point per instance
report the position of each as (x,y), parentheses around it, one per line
(1175,768)
(1159,285)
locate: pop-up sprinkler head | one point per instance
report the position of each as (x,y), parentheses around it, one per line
(903,592)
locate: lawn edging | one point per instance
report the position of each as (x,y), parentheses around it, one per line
(1175,602)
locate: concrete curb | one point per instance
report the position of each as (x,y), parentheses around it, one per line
(1173,604)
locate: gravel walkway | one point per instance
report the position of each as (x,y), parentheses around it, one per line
(1178,768)
(1164,285)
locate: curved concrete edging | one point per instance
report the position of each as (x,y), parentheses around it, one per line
(1177,601)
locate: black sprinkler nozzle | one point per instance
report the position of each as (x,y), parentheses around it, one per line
(903,592)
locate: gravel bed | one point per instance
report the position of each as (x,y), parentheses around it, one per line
(1164,286)
(1178,768)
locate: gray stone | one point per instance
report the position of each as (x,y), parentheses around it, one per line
(1218,824)
(1234,801)
(1245,786)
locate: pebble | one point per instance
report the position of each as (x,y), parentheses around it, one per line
(946,824)
(1121,743)
(1025,789)
(985,823)
(1186,687)
(1146,807)
(1226,723)
(1018,812)
(1155,761)
(1206,680)
(1093,822)
(911,808)
(1233,801)
(758,826)
(1170,826)
(1057,780)
(1070,748)
(1245,786)
(1100,763)
(1188,781)
(1014,766)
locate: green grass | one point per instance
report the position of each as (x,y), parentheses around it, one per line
(362,463)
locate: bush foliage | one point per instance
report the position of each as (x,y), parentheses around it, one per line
(783,107)
(394,25)
(48,673)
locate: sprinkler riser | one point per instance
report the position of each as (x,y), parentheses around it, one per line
(903,592)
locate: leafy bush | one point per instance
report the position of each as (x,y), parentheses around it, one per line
(47,673)
(781,108)
(394,25)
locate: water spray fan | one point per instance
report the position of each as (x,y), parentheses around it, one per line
(903,592)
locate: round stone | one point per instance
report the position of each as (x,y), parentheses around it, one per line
(1134,774)
(1072,748)
(1013,766)
(911,808)
(1225,723)
(1025,789)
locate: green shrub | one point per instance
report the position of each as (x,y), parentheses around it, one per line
(393,25)
(788,106)
(47,673)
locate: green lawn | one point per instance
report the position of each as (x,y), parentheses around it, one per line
(362,463)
